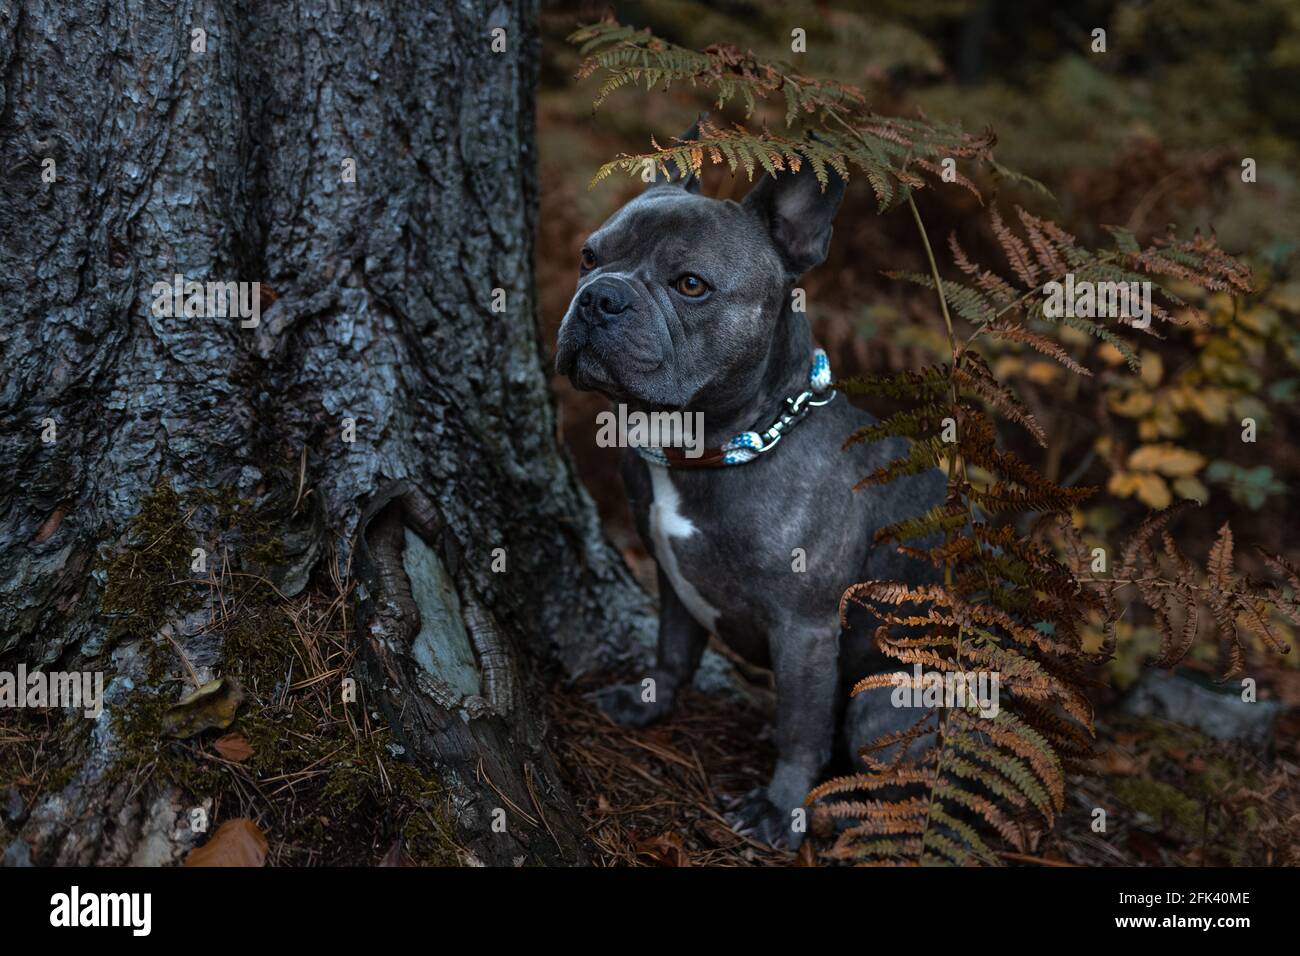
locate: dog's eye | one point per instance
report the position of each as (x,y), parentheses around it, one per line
(588,258)
(691,286)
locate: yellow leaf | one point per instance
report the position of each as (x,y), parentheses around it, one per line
(1153,369)
(1043,373)
(1193,488)
(1122,484)
(1167,459)
(1161,423)
(1007,366)
(1153,492)
(1211,404)
(1150,489)
(1109,354)
(1133,405)
(1074,337)
(1261,320)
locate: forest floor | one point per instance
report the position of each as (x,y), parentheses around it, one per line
(1173,797)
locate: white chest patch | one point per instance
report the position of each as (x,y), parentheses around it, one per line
(668,522)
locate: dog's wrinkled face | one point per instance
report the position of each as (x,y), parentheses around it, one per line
(674,290)
(679,295)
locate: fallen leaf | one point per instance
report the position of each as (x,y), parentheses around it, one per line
(212,705)
(1116,763)
(234,747)
(666,849)
(236,843)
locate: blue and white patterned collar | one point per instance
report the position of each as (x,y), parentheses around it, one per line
(747,446)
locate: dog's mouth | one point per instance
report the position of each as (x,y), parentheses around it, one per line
(619,369)
(584,369)
(587,373)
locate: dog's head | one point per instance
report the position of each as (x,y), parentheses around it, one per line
(679,295)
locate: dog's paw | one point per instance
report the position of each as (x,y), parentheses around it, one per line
(759,818)
(623,704)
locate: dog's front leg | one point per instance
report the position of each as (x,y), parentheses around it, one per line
(805,659)
(681,643)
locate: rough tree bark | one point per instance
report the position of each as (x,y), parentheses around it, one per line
(227,165)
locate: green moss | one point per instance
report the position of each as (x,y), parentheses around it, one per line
(147,579)
(1162,802)
(321,779)
(251,531)
(142,748)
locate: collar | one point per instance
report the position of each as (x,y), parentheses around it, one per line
(747,446)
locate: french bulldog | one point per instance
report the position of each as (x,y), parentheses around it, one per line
(684,303)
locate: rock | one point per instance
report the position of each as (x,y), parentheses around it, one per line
(1215,710)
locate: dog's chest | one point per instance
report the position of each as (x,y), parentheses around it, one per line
(670,531)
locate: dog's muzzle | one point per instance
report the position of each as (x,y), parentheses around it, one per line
(599,306)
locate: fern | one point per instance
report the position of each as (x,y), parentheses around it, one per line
(896,155)
(1171,586)
(1008,604)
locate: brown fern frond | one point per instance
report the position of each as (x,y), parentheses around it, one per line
(987,810)
(922,455)
(1220,562)
(988,281)
(976,377)
(1047,243)
(847,784)
(1005,329)
(1013,247)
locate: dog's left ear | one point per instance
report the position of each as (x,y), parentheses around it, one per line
(681,178)
(798,214)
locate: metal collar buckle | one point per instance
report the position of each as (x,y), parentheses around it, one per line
(799,406)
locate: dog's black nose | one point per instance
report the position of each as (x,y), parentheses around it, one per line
(605,298)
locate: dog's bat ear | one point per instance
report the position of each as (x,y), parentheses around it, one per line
(798,213)
(682,178)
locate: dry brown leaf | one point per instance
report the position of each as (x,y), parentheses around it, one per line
(234,747)
(236,843)
(1117,763)
(212,705)
(666,849)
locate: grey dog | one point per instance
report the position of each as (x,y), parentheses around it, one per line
(685,303)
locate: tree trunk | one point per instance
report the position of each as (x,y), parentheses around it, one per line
(225,156)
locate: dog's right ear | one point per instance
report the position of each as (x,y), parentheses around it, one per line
(682,178)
